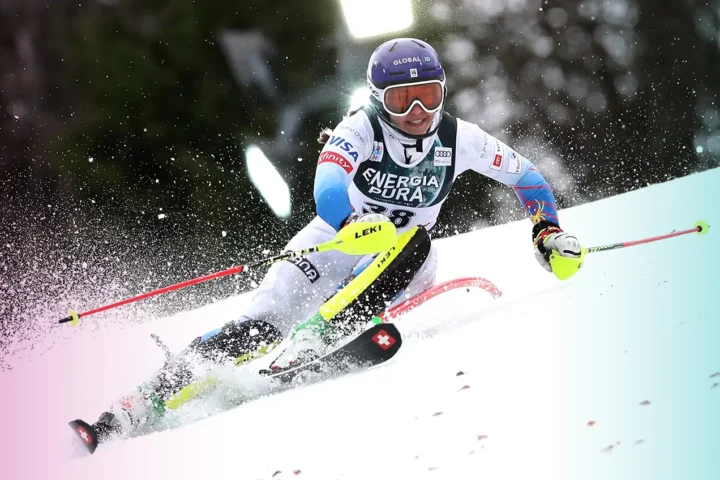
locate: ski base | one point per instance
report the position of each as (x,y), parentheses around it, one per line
(373,347)
(86,433)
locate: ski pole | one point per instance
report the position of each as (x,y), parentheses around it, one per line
(359,238)
(566,267)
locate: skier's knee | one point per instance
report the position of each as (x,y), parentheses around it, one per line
(237,338)
(393,279)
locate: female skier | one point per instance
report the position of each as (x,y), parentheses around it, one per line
(394,160)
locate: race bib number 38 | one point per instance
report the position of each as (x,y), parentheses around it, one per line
(337,159)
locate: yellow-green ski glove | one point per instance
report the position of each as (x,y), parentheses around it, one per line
(550,239)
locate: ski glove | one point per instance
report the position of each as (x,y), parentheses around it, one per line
(548,237)
(365,217)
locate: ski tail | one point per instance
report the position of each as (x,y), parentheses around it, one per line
(422,297)
(86,433)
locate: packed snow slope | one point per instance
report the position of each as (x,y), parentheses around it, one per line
(613,374)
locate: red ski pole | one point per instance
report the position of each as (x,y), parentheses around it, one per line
(359,238)
(700,227)
(73,316)
(566,267)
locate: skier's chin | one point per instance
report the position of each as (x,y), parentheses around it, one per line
(414,125)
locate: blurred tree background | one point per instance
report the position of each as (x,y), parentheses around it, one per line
(123,123)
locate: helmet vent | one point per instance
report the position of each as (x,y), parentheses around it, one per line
(393,47)
(415,42)
(428,69)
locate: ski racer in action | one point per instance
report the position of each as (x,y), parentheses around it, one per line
(393,160)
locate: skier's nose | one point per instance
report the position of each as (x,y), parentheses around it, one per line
(416,110)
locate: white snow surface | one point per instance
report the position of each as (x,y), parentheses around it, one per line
(556,384)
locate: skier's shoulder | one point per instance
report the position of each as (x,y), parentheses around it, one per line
(355,127)
(469,130)
(476,147)
(353,136)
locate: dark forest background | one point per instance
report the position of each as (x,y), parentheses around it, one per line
(123,124)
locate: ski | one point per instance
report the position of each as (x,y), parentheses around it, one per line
(198,388)
(373,347)
(363,349)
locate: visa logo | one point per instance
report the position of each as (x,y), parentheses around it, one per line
(344,145)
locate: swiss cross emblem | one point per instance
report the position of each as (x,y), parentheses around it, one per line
(84,435)
(383,339)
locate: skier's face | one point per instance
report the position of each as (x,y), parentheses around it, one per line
(417,122)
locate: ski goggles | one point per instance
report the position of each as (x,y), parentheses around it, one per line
(398,100)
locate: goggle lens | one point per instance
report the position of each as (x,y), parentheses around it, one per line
(399,99)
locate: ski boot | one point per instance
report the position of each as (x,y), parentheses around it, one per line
(309,341)
(239,341)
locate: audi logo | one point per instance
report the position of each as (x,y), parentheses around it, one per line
(443,153)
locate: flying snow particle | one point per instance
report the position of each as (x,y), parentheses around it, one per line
(699,149)
(91,159)
(84,265)
(161,216)
(224,233)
